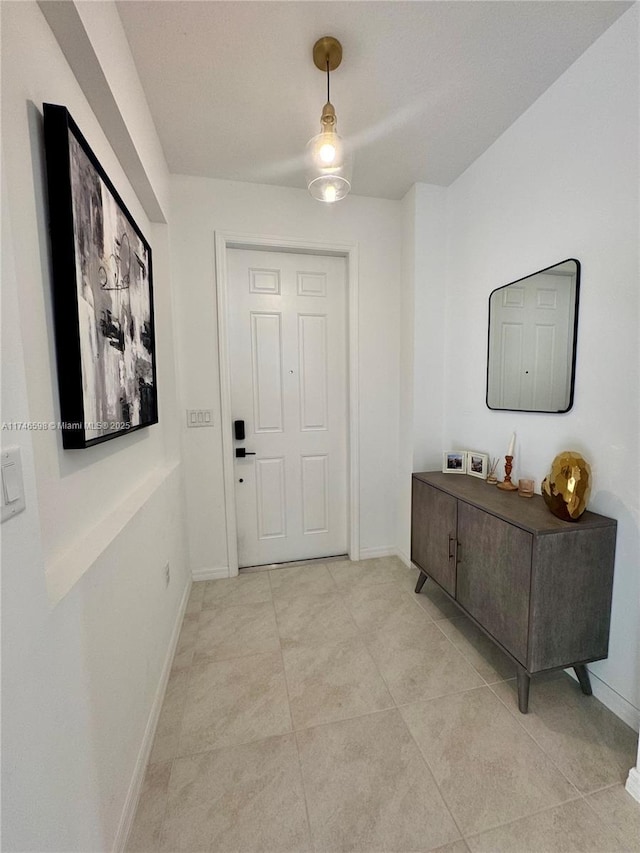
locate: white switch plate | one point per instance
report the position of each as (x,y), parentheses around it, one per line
(199,418)
(12,486)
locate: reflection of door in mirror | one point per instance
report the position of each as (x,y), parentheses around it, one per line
(532,325)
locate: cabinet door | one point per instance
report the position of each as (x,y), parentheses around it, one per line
(433,533)
(494,576)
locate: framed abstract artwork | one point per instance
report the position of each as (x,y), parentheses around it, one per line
(102,295)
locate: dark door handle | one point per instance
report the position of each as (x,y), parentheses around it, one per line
(241,453)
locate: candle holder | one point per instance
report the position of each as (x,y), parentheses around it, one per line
(525,487)
(506,484)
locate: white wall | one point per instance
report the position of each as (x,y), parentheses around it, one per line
(405,376)
(422,344)
(563,182)
(86,619)
(199,208)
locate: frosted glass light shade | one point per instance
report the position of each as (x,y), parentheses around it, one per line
(329,167)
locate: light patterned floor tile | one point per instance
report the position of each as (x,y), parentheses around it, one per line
(355,638)
(167,735)
(243,589)
(234,701)
(420,663)
(454,847)
(368,789)
(144,836)
(350,575)
(194,603)
(313,619)
(488,769)
(620,811)
(236,631)
(434,602)
(244,798)
(333,681)
(384,607)
(483,654)
(186,642)
(591,746)
(293,581)
(570,828)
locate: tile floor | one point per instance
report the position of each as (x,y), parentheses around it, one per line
(328,708)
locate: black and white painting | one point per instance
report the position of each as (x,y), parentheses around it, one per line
(109,298)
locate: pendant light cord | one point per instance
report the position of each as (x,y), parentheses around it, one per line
(328,78)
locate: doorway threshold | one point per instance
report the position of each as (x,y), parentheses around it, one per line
(269,566)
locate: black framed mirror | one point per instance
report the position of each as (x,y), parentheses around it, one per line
(533,333)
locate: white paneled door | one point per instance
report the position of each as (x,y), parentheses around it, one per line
(288,360)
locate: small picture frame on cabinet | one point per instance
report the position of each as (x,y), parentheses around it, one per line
(477,464)
(454,462)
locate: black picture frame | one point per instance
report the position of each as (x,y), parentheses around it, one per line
(572,347)
(102,295)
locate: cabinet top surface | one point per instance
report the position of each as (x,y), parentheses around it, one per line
(530,514)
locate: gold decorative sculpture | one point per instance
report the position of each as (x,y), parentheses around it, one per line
(567,487)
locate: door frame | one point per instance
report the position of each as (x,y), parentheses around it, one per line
(349,251)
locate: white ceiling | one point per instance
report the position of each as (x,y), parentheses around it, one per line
(424,87)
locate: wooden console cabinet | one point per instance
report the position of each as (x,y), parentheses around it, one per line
(539,587)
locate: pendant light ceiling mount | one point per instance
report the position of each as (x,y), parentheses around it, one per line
(327,54)
(328,160)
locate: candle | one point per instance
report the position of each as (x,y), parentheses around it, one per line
(512,445)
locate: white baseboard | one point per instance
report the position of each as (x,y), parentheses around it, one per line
(370,553)
(210,574)
(622,708)
(633,783)
(405,559)
(135,786)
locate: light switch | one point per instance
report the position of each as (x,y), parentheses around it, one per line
(199,418)
(12,485)
(10,482)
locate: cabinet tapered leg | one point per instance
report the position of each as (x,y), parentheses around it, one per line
(583,677)
(524,680)
(421,581)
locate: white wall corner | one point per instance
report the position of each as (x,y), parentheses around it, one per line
(430,299)
(93,41)
(401,555)
(406,372)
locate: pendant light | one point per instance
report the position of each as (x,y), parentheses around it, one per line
(329,161)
